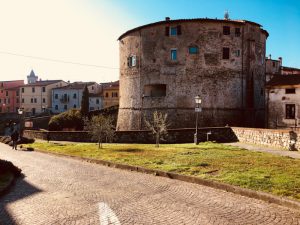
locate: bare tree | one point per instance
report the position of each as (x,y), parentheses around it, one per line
(100,128)
(158,126)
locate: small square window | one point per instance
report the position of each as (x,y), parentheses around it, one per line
(226,30)
(174,54)
(173,31)
(131,61)
(193,50)
(290,91)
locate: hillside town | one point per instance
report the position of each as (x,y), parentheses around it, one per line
(201,127)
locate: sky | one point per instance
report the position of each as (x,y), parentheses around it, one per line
(76,40)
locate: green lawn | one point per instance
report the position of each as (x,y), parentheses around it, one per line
(254,170)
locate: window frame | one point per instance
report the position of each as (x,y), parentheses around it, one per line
(193,47)
(226,30)
(132,61)
(171,54)
(290,111)
(224,55)
(290,91)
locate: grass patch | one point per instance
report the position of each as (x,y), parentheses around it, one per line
(254,170)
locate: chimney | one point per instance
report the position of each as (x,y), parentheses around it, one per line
(167,18)
(280,61)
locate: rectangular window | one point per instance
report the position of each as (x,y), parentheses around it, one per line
(8,101)
(226,30)
(74,96)
(237,32)
(35,100)
(44,89)
(0,100)
(65,107)
(290,111)
(31,100)
(226,53)
(44,100)
(106,95)
(23,100)
(56,107)
(6,93)
(290,91)
(237,53)
(74,106)
(97,101)
(155,90)
(193,50)
(174,54)
(56,96)
(33,90)
(173,31)
(131,61)
(17,93)
(273,64)
(22,90)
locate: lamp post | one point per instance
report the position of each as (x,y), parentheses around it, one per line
(197,110)
(20,112)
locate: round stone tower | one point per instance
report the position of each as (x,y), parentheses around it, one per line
(164,65)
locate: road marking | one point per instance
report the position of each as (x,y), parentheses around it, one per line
(107,216)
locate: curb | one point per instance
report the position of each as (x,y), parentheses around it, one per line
(190,179)
(8,186)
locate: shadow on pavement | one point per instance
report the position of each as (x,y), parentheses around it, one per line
(20,190)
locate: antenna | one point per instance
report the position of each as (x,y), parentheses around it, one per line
(226,15)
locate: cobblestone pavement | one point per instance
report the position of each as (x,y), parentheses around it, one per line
(58,190)
(258,148)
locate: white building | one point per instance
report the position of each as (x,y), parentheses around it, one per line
(283,101)
(69,97)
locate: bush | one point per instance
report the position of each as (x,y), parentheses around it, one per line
(70,119)
(6,166)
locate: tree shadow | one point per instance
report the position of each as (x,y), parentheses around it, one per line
(21,189)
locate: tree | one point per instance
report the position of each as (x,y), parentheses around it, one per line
(85,102)
(100,128)
(158,126)
(70,119)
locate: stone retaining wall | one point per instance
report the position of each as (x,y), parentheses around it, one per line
(222,134)
(268,137)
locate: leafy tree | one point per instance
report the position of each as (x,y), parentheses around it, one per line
(100,128)
(85,102)
(158,126)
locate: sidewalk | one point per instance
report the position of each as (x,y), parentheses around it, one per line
(257,148)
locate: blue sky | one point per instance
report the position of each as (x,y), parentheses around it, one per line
(76,40)
(280,18)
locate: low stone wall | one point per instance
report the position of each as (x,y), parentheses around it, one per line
(268,137)
(222,134)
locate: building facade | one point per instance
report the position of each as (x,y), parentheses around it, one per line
(164,65)
(37,97)
(9,96)
(283,101)
(110,94)
(70,96)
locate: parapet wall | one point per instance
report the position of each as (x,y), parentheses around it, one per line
(267,137)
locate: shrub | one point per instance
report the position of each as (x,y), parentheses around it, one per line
(70,119)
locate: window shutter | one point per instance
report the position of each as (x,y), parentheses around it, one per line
(179,29)
(167,31)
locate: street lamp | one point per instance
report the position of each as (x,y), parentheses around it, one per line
(20,112)
(197,110)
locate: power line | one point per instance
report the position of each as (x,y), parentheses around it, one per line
(57,60)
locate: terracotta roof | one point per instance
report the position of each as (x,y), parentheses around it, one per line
(241,22)
(289,68)
(283,80)
(76,85)
(42,83)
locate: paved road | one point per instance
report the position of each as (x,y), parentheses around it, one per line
(59,191)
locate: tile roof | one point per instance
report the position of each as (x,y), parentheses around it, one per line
(283,80)
(76,85)
(42,83)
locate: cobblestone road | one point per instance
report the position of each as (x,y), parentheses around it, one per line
(59,190)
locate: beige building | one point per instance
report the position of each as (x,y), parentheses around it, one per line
(283,101)
(110,94)
(36,97)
